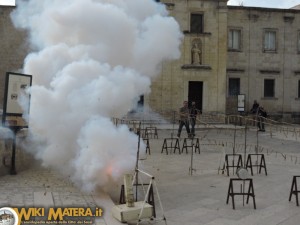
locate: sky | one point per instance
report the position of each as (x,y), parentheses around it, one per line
(256,3)
(7,2)
(285,4)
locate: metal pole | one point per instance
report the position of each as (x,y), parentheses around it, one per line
(137,161)
(191,168)
(172,134)
(256,147)
(13,155)
(245,145)
(234,139)
(257,123)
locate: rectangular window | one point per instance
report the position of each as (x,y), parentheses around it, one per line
(234,86)
(196,23)
(269,88)
(270,40)
(234,39)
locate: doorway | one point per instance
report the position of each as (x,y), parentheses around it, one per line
(196,93)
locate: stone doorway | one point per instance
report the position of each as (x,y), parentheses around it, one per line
(196,93)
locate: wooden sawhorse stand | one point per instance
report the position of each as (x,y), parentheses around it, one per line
(249,193)
(151,132)
(189,142)
(170,143)
(294,190)
(146,140)
(262,163)
(235,158)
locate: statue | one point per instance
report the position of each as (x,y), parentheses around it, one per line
(196,54)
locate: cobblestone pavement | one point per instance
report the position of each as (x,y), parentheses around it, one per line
(197,199)
(200,198)
(40,187)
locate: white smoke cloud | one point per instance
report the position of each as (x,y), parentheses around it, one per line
(92,60)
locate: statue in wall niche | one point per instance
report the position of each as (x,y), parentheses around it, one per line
(196,54)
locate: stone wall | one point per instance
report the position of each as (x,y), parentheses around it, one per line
(23,159)
(252,64)
(171,88)
(13,48)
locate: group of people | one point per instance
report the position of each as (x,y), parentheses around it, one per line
(259,114)
(187,116)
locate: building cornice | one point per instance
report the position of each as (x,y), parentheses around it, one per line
(196,66)
(269,71)
(235,70)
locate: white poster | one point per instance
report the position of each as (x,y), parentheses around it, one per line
(241,103)
(15,95)
(17,86)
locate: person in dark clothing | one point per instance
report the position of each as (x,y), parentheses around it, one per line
(193,117)
(262,114)
(254,111)
(184,119)
(255,107)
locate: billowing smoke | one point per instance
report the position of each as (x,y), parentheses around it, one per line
(91,61)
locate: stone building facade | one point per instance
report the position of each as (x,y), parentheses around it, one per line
(250,51)
(263,58)
(226,51)
(200,74)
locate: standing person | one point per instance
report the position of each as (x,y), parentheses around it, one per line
(255,107)
(262,113)
(254,111)
(184,119)
(193,117)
